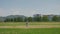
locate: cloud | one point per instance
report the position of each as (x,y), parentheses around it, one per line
(2,12)
(28,12)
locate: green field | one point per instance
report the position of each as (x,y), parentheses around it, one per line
(30,23)
(30,31)
(34,28)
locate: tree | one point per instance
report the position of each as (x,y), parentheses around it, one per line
(37,19)
(8,20)
(18,19)
(30,19)
(45,18)
(56,18)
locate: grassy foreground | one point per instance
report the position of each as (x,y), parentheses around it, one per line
(30,31)
(30,23)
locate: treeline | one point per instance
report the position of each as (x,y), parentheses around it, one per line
(35,18)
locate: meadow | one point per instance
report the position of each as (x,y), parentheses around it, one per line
(30,23)
(30,31)
(33,28)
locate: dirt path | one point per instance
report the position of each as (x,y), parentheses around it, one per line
(33,26)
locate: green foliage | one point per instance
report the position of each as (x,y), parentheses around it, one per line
(8,20)
(37,19)
(45,18)
(17,19)
(30,31)
(56,18)
(30,19)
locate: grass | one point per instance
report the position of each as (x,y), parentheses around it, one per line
(30,31)
(30,23)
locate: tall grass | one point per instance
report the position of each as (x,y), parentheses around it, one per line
(30,23)
(30,31)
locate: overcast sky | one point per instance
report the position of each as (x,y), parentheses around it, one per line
(29,7)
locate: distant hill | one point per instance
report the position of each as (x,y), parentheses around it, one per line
(14,16)
(11,16)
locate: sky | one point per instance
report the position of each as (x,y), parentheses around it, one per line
(29,7)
